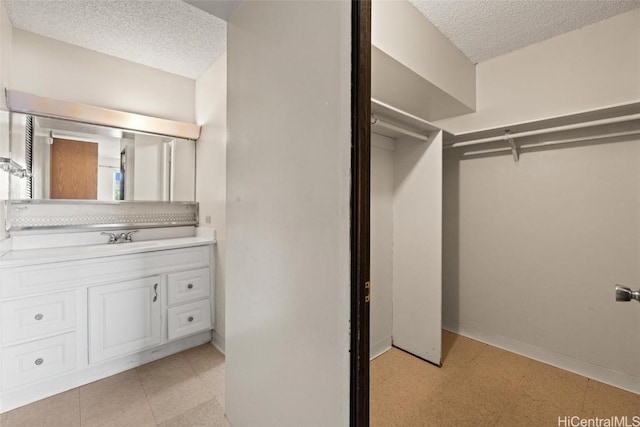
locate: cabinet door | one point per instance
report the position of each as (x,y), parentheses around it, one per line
(123,318)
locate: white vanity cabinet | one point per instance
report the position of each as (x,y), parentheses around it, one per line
(68,323)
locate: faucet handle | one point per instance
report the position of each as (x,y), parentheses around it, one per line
(130,235)
(112,237)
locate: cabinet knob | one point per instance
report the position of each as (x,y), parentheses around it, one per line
(190,319)
(39,361)
(190,286)
(39,316)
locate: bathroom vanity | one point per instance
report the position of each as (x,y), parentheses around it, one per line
(77,305)
(72,315)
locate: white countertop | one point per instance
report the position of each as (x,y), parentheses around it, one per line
(17,258)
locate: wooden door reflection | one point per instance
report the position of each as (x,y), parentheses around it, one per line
(74,169)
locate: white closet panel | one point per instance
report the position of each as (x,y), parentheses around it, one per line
(417,247)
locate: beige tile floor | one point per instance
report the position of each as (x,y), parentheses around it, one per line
(479,385)
(185,389)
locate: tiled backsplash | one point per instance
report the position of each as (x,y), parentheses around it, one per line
(51,214)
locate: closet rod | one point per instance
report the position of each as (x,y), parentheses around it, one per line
(401,112)
(582,125)
(376,121)
(558,142)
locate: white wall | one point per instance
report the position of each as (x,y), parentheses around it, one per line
(581,70)
(211,169)
(4,177)
(108,164)
(288,179)
(402,32)
(533,249)
(59,70)
(17,186)
(6,32)
(129,147)
(381,313)
(41,167)
(149,168)
(183,171)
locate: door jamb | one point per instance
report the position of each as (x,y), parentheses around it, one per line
(360,208)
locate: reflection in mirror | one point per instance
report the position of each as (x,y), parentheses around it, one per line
(70,160)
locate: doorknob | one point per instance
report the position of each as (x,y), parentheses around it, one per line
(625,294)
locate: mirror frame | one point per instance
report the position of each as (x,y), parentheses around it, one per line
(26,103)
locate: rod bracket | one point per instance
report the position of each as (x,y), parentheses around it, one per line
(512,144)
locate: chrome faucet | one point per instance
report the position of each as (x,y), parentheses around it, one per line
(128,236)
(112,237)
(121,238)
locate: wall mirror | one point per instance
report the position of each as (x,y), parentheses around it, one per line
(65,159)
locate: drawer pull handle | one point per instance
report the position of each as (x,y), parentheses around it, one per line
(155,290)
(39,361)
(190,319)
(39,316)
(190,286)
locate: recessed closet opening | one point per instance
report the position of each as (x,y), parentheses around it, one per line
(512,289)
(406,235)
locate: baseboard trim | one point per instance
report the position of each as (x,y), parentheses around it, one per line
(379,348)
(218,341)
(586,369)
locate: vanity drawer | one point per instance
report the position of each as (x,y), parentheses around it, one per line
(187,319)
(189,285)
(37,361)
(37,317)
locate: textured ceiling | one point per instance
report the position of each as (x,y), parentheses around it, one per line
(169,35)
(179,38)
(483,29)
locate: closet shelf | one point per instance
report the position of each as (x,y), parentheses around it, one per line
(13,168)
(611,122)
